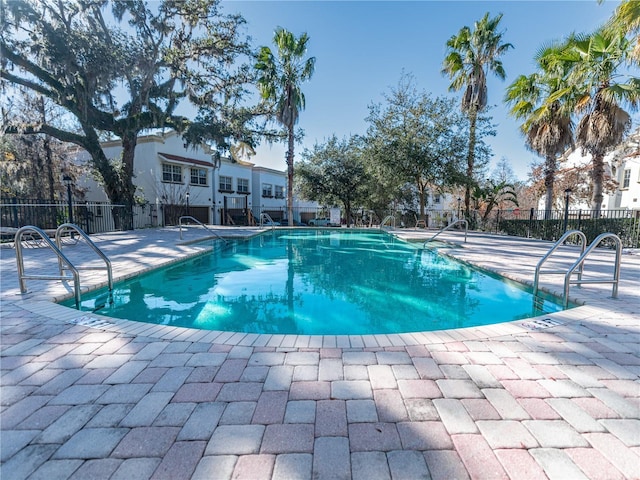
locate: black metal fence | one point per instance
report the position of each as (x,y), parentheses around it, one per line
(92,217)
(550,225)
(98,217)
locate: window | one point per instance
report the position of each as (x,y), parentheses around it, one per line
(279,191)
(171,173)
(627,178)
(243,185)
(436,198)
(198,176)
(267,190)
(225,184)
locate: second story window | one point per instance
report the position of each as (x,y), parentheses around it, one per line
(225,184)
(171,173)
(279,191)
(436,199)
(243,185)
(267,190)
(626,181)
(198,176)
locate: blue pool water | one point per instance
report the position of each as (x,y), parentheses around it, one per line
(330,282)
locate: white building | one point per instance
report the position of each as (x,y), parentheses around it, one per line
(622,166)
(176,180)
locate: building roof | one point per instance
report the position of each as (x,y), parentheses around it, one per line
(178,158)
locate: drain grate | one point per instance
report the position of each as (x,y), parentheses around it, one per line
(539,324)
(89,321)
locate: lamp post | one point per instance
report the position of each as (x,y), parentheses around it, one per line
(567,193)
(67,181)
(187,203)
(459,202)
(216,160)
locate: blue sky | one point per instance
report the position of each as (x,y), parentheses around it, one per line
(362,48)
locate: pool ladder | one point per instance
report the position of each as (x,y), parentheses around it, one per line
(443,229)
(195,220)
(265,217)
(392,222)
(578,266)
(63,261)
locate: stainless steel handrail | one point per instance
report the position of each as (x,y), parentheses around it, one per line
(75,229)
(578,263)
(61,257)
(462,220)
(264,216)
(555,246)
(185,217)
(388,217)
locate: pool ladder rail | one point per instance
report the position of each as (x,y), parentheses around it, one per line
(195,220)
(443,229)
(392,222)
(266,218)
(577,267)
(63,261)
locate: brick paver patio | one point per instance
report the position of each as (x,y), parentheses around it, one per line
(127,400)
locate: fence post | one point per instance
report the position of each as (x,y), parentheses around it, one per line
(567,193)
(531,213)
(14,210)
(579,218)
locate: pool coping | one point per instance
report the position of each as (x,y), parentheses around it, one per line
(54,311)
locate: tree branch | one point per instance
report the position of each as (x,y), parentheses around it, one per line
(30,67)
(36,128)
(26,83)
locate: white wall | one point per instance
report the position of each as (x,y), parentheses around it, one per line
(262,175)
(620,199)
(150,187)
(627,197)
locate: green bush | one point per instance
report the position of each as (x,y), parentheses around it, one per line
(628,229)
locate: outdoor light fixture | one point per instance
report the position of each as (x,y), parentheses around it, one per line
(459,202)
(187,196)
(567,193)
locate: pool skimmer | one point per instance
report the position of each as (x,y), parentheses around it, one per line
(539,324)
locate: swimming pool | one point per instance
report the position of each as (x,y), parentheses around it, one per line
(331,282)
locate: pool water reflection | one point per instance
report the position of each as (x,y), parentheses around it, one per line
(330,282)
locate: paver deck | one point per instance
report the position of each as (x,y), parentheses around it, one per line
(84,397)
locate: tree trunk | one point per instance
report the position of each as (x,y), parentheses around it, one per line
(290,177)
(36,181)
(422,199)
(113,184)
(597,176)
(473,120)
(48,153)
(129,142)
(549,176)
(347,210)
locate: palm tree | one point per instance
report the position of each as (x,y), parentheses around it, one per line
(494,194)
(547,124)
(279,84)
(471,55)
(626,19)
(596,62)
